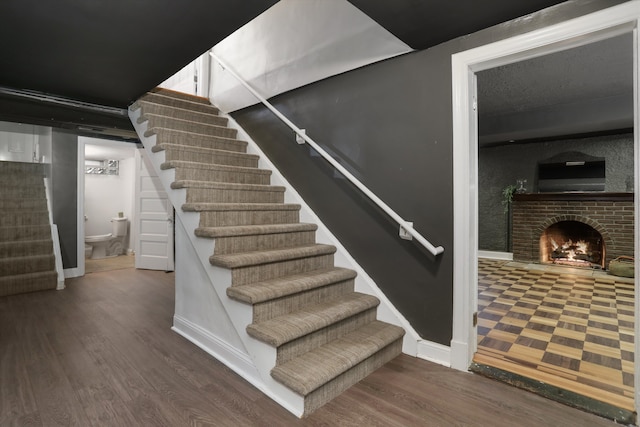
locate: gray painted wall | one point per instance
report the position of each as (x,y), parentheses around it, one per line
(64,183)
(391,125)
(502,166)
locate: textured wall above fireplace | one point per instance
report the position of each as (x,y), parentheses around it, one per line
(610,214)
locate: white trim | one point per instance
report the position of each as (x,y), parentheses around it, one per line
(80,227)
(239,362)
(73,272)
(576,32)
(506,256)
(636,145)
(434,352)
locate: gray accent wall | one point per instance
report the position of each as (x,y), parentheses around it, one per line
(64,183)
(501,166)
(390,124)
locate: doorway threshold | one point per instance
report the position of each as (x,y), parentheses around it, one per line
(554,392)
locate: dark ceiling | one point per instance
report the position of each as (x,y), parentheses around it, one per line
(110,52)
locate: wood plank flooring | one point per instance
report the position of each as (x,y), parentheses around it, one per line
(101,353)
(569,328)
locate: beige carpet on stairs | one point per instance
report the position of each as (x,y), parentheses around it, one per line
(326,335)
(27,261)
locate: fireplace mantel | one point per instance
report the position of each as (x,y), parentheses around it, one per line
(577,196)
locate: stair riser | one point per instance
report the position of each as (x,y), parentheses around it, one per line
(9,179)
(316,339)
(215,158)
(237,244)
(168,122)
(180,96)
(222,176)
(229,218)
(196,140)
(212,195)
(9,205)
(285,305)
(25,248)
(13,285)
(244,275)
(11,219)
(180,103)
(38,232)
(333,388)
(24,169)
(176,113)
(23,192)
(14,266)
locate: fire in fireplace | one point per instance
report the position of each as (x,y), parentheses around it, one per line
(572,243)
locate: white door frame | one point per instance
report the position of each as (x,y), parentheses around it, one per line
(621,19)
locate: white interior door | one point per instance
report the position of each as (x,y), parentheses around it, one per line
(154,219)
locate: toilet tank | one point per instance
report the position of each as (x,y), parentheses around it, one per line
(119,226)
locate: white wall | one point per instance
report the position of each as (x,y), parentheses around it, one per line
(295,43)
(24,143)
(106,195)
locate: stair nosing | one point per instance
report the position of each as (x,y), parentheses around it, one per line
(239,260)
(290,285)
(147,117)
(317,318)
(231,207)
(174,164)
(304,387)
(180,108)
(254,229)
(153,131)
(207,150)
(190,183)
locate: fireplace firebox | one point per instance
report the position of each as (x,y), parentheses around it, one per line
(572,243)
(577,229)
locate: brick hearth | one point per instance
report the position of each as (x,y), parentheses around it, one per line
(611,214)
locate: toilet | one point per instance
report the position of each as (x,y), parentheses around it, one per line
(108,245)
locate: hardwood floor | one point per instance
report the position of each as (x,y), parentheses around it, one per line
(570,328)
(101,353)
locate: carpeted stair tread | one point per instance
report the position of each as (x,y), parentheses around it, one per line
(253,230)
(28,282)
(286,328)
(254,293)
(179,113)
(195,139)
(172,164)
(224,186)
(36,232)
(154,120)
(24,218)
(226,207)
(310,371)
(176,150)
(26,264)
(25,247)
(187,104)
(179,95)
(275,255)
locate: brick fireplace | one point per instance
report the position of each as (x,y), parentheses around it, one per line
(595,227)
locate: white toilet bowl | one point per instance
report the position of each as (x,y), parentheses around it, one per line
(98,245)
(108,245)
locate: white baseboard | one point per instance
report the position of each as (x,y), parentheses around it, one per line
(72,272)
(236,360)
(507,256)
(434,352)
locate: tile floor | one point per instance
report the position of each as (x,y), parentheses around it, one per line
(570,328)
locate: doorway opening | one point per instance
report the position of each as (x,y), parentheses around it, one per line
(593,28)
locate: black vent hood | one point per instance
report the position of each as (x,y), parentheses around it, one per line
(571,171)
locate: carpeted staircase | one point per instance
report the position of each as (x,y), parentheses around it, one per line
(326,335)
(27,260)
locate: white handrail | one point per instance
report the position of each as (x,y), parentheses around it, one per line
(406,226)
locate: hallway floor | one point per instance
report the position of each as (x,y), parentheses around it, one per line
(570,328)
